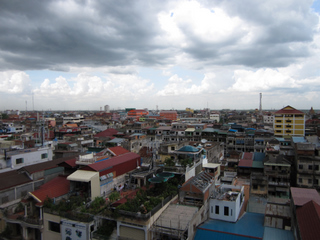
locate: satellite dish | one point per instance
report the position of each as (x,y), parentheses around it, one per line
(204,140)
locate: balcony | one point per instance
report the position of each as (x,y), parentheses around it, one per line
(284,184)
(28,221)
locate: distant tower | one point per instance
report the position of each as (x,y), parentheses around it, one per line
(100,109)
(107,108)
(33,102)
(260,106)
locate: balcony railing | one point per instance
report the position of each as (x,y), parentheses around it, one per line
(30,220)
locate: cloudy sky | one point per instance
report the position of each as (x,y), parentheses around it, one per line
(84,54)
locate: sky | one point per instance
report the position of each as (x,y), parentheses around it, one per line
(85,54)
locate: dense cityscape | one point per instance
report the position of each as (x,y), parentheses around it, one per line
(161,174)
(159,120)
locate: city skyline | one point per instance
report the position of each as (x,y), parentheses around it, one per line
(65,55)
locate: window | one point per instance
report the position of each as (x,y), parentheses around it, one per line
(310,167)
(217,209)
(288,131)
(19,160)
(278,126)
(300,166)
(53,226)
(44,155)
(316,167)
(172,148)
(23,193)
(5,199)
(226,211)
(278,131)
(316,182)
(300,180)
(310,181)
(278,121)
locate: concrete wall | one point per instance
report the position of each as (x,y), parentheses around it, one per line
(95,186)
(47,234)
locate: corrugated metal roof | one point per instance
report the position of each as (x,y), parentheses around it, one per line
(13,178)
(308,217)
(100,166)
(301,196)
(190,130)
(82,176)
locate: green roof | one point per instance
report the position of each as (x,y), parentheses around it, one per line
(257,164)
(188,148)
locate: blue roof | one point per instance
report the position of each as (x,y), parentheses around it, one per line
(258,156)
(188,148)
(299,139)
(277,234)
(248,227)
(233,130)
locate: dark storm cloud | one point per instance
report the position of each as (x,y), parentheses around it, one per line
(63,34)
(35,36)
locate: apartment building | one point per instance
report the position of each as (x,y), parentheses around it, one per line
(308,165)
(289,121)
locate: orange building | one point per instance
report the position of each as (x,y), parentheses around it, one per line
(136,113)
(170,115)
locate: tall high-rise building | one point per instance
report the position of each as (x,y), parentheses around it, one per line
(289,121)
(107,108)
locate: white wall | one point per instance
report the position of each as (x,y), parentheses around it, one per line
(31,157)
(234,209)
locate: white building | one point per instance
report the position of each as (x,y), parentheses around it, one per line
(107,108)
(215,116)
(226,203)
(268,119)
(76,119)
(24,157)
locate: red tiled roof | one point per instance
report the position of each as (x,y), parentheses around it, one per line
(308,217)
(288,110)
(118,150)
(57,187)
(106,133)
(245,163)
(100,166)
(301,196)
(69,163)
(247,156)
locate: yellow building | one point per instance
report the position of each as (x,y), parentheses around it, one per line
(289,121)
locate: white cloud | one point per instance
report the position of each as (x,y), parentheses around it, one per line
(14,82)
(261,80)
(178,87)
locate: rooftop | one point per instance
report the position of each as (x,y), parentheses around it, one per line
(250,226)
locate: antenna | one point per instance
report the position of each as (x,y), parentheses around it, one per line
(32,102)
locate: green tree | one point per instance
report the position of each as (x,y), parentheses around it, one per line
(169,162)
